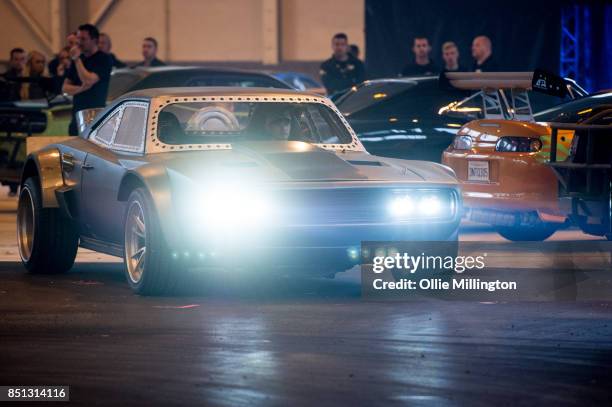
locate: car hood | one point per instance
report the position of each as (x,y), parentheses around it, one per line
(297,162)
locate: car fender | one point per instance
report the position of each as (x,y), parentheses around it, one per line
(155,180)
(46,164)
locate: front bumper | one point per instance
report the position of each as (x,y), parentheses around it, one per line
(315,249)
(323,223)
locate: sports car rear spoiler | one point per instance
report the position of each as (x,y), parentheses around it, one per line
(490,80)
(492,87)
(538,80)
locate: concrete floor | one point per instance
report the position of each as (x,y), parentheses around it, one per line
(292,342)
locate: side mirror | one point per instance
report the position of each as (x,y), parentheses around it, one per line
(85,117)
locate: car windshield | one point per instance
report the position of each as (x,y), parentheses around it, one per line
(120,83)
(229,122)
(359,98)
(301,82)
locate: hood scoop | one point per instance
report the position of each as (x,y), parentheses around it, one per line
(365,163)
(300,161)
(313,165)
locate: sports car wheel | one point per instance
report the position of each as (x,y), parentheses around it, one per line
(47,240)
(148,262)
(534,233)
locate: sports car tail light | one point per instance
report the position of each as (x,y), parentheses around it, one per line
(462,142)
(518,145)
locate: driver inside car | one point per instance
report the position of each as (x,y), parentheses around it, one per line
(278,125)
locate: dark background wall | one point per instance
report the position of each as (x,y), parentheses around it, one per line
(525,35)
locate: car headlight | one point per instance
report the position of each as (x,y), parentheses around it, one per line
(462,142)
(420,205)
(518,145)
(230,208)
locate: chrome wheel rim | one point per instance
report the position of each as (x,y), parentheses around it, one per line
(25,224)
(135,242)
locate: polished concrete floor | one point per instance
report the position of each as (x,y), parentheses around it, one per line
(288,342)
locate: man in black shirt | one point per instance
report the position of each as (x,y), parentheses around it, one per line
(482,51)
(89,75)
(11,89)
(149,53)
(450,55)
(342,70)
(422,65)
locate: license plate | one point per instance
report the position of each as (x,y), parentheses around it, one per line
(478,171)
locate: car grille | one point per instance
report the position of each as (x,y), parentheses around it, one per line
(356,205)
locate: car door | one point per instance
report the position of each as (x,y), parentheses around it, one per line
(119,146)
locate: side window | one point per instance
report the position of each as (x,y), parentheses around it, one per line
(132,129)
(104,133)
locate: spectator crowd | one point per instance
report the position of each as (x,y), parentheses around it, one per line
(344,69)
(83,66)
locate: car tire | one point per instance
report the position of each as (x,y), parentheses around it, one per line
(532,233)
(46,238)
(149,265)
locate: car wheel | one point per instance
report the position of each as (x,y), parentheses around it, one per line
(533,233)
(47,240)
(147,259)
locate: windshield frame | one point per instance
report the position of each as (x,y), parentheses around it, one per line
(155,145)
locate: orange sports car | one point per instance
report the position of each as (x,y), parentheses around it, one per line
(500,159)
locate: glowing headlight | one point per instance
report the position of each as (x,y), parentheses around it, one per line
(421,205)
(401,206)
(231,208)
(430,205)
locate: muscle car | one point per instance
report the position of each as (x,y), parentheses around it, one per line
(174,179)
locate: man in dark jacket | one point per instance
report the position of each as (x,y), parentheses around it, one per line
(105,44)
(11,90)
(482,51)
(149,53)
(71,41)
(422,64)
(342,70)
(450,56)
